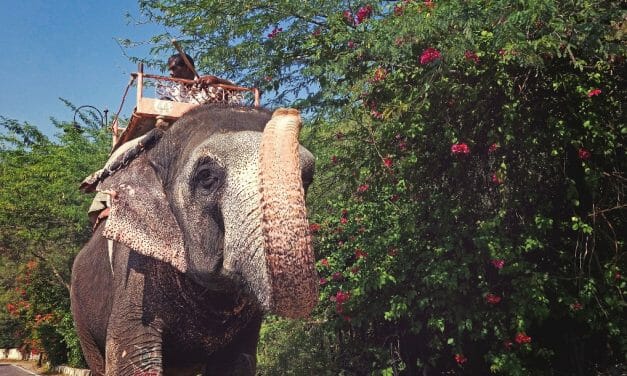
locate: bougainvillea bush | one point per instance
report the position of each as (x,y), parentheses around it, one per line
(482,230)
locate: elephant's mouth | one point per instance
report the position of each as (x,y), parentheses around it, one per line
(228,281)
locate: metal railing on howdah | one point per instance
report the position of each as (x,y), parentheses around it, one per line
(175,96)
(193,91)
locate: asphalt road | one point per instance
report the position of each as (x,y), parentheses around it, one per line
(11,370)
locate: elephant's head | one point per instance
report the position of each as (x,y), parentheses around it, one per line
(220,198)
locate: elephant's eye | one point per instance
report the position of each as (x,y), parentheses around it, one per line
(208,177)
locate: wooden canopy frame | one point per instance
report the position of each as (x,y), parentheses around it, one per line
(145,115)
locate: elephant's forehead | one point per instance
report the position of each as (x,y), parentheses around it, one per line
(238,152)
(235,150)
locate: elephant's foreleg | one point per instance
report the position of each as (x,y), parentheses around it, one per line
(134,333)
(239,358)
(137,355)
(91,300)
(92,353)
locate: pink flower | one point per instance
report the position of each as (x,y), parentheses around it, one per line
(275,32)
(337,276)
(360,254)
(350,44)
(344,218)
(429,55)
(348,17)
(363,188)
(460,359)
(388,162)
(398,10)
(460,148)
(363,13)
(522,337)
(576,306)
(492,299)
(471,56)
(323,281)
(584,154)
(314,227)
(373,110)
(376,114)
(492,148)
(495,179)
(342,296)
(324,262)
(497,263)
(594,93)
(429,3)
(379,74)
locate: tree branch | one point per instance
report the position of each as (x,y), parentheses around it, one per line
(55,271)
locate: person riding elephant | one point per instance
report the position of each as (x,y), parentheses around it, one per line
(202,91)
(209,231)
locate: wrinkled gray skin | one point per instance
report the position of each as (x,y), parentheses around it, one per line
(146,317)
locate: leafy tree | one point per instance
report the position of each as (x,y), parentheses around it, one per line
(10,333)
(43,223)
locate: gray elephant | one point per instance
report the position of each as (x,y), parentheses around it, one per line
(208,232)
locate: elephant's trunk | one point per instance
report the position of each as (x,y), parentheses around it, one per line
(287,242)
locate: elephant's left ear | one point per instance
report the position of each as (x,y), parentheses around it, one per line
(140,216)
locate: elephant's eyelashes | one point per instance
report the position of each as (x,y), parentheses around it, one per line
(208,177)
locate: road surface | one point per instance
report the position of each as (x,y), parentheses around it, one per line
(12,370)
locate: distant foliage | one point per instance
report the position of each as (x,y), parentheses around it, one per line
(289,347)
(43,223)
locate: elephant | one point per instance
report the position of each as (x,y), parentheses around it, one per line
(207,232)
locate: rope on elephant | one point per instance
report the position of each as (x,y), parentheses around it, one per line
(134,150)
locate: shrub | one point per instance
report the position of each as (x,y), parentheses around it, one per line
(483,229)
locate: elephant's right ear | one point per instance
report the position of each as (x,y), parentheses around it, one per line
(140,216)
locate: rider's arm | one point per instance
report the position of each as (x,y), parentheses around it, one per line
(215,80)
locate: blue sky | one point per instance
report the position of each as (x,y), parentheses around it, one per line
(68,49)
